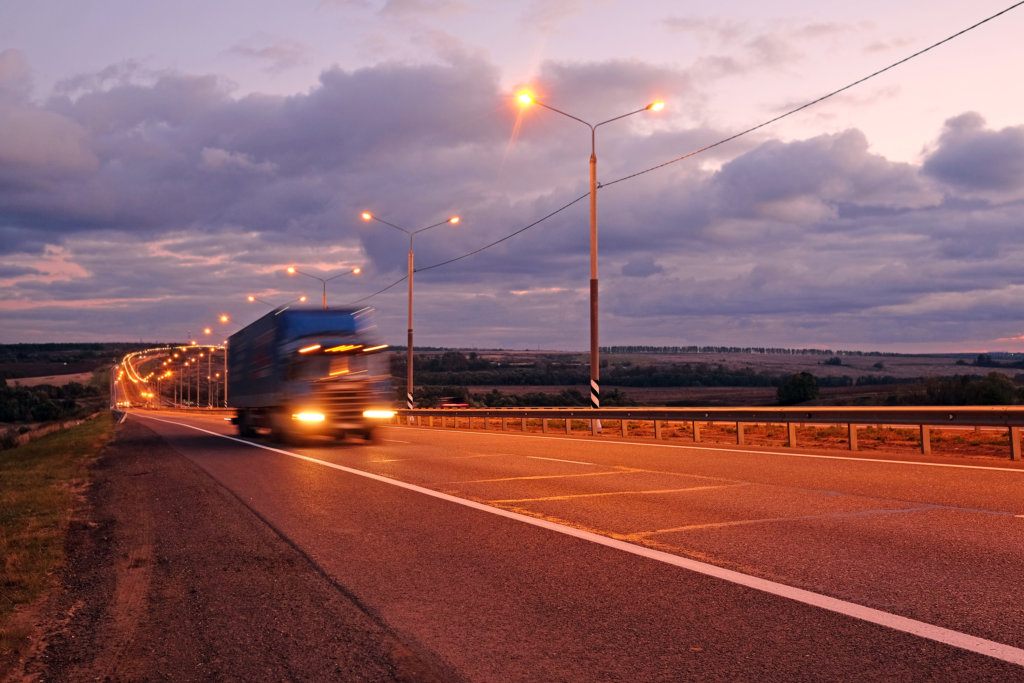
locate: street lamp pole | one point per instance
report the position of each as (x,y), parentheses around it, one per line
(292,270)
(367,216)
(595,372)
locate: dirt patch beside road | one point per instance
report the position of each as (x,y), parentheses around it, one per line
(169,576)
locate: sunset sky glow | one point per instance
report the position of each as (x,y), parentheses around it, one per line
(161,162)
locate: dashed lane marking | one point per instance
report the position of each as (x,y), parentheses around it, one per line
(940,634)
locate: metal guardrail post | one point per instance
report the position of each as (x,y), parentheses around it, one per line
(925,418)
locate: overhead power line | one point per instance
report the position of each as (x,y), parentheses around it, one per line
(817,101)
(712,145)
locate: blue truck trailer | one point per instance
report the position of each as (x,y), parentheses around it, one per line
(301,372)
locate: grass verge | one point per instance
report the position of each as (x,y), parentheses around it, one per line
(38,485)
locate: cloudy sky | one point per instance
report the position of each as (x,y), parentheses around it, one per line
(160,161)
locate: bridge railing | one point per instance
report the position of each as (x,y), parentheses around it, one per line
(924,419)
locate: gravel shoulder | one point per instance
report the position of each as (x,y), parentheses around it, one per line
(170,577)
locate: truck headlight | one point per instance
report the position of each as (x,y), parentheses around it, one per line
(308,416)
(379,414)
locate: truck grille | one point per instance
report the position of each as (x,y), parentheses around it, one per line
(344,401)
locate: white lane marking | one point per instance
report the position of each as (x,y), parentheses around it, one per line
(732,450)
(574,462)
(395,441)
(964,641)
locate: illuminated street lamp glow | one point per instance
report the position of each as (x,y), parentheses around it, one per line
(292,270)
(595,382)
(253,299)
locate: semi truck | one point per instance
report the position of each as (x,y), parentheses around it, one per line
(301,372)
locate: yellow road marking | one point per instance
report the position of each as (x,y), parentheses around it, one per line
(613,493)
(767,520)
(623,470)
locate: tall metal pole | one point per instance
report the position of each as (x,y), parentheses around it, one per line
(595,361)
(595,371)
(225,374)
(367,216)
(409,352)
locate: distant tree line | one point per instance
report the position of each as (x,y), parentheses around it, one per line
(31,360)
(448,376)
(988,360)
(453,368)
(736,349)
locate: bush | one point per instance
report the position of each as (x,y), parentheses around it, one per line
(993,389)
(798,388)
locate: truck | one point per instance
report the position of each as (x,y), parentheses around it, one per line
(302,372)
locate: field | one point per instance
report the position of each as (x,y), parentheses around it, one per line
(884,369)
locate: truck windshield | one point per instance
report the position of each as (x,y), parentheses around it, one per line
(322,366)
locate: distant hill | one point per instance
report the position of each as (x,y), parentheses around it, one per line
(35,360)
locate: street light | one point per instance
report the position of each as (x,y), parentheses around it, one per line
(253,299)
(292,270)
(225,319)
(367,216)
(526,98)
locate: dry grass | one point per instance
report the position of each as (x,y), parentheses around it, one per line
(38,484)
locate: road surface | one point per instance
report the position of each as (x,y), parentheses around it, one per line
(496,557)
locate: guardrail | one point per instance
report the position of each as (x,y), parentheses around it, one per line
(923,418)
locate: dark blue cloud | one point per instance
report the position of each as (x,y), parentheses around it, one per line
(972,157)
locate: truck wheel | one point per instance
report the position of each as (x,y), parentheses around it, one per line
(370,434)
(245,424)
(279,430)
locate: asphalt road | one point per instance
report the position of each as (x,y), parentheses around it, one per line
(517,557)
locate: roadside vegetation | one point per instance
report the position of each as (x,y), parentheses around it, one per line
(496,379)
(24,408)
(39,483)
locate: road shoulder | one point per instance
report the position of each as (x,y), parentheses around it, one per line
(170,576)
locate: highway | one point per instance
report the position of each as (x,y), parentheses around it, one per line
(543,557)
